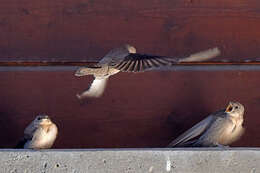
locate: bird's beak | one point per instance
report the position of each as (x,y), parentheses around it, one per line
(229,107)
(47,121)
(46,117)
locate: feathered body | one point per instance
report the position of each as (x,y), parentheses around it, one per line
(126,59)
(39,134)
(218,129)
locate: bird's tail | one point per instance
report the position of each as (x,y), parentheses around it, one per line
(21,143)
(87,71)
(202,56)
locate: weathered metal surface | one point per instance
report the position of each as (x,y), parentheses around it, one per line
(87,29)
(137,110)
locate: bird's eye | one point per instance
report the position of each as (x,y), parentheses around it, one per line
(236,107)
(38,118)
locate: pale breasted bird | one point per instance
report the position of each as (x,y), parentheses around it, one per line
(39,134)
(218,129)
(126,59)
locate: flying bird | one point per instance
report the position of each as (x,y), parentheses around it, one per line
(217,130)
(126,59)
(39,134)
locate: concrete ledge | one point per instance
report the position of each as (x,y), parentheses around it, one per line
(244,160)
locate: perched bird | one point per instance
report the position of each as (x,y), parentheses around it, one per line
(218,129)
(39,134)
(126,59)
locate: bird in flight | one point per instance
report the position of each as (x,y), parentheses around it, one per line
(126,59)
(219,129)
(39,134)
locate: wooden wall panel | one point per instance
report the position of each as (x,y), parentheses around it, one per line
(137,110)
(87,29)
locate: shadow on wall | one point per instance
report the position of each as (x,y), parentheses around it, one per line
(190,109)
(11,128)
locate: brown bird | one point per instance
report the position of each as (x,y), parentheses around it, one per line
(39,134)
(126,59)
(218,129)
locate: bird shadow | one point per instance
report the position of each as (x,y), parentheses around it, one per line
(188,111)
(10,129)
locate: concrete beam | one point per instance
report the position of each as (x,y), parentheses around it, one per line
(244,160)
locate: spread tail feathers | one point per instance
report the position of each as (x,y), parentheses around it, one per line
(96,89)
(202,56)
(87,71)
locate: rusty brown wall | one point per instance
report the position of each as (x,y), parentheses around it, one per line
(137,110)
(88,28)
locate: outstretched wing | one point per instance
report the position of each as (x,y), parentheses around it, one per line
(193,132)
(96,89)
(117,54)
(135,62)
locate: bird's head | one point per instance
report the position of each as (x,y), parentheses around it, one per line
(131,49)
(235,109)
(81,72)
(42,120)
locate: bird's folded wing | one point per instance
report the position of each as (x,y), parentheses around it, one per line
(28,135)
(29,131)
(193,132)
(201,56)
(36,139)
(96,89)
(135,62)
